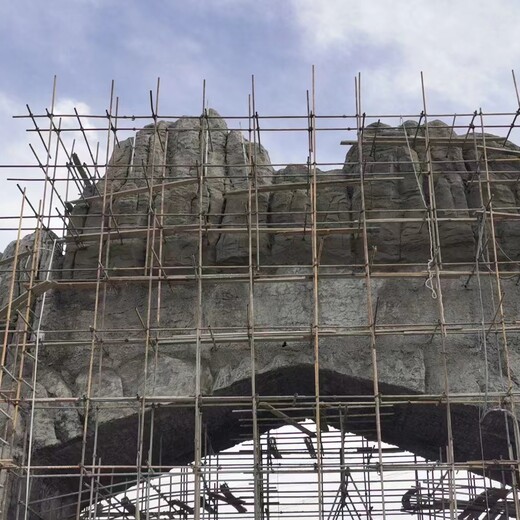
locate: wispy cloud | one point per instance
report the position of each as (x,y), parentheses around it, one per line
(15,152)
(465,47)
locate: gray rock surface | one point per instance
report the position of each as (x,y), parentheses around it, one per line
(406,363)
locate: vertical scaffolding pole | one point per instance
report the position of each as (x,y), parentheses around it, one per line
(252,186)
(151,262)
(311,111)
(6,446)
(437,262)
(197,466)
(368,282)
(96,316)
(505,346)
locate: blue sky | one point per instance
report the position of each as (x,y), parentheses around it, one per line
(466,49)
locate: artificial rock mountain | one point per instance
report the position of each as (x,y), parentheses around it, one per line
(407,364)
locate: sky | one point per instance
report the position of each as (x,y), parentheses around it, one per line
(465,48)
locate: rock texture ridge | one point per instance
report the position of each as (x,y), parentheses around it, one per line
(112,344)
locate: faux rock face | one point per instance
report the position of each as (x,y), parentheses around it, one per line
(224,200)
(407,363)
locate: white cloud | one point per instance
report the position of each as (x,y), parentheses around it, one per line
(14,150)
(67,107)
(466,48)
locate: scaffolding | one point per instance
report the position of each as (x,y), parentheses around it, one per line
(191,331)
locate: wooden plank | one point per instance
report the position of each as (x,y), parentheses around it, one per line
(143,189)
(288,186)
(22,299)
(286,418)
